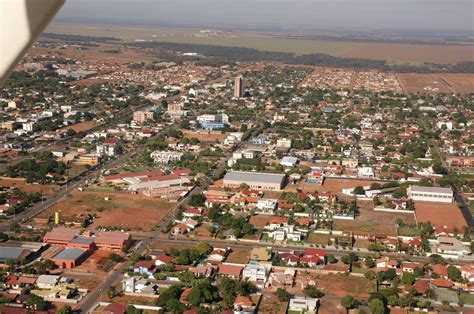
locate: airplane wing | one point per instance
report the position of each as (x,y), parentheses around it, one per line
(21,23)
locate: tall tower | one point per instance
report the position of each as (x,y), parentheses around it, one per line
(239,87)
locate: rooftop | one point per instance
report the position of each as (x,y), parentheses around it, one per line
(70,254)
(274,178)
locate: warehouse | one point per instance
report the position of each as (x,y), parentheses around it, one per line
(69,257)
(255,180)
(430,194)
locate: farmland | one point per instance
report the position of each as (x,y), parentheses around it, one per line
(272,42)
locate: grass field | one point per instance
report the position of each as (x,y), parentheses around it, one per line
(317,238)
(269,42)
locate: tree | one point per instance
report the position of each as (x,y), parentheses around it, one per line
(376,306)
(332,259)
(112,292)
(437,259)
(203,247)
(173,305)
(203,292)
(358,190)
(197,200)
(454,273)
(408,278)
(172,293)
(37,303)
(66,309)
(133,310)
(348,302)
(282,294)
(312,292)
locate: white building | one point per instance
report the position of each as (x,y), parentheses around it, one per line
(28,126)
(365,172)
(164,157)
(47,281)
(222,117)
(266,205)
(288,161)
(303,305)
(451,246)
(106,150)
(430,194)
(448,124)
(283,142)
(256,273)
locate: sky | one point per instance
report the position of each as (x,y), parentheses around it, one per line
(439,16)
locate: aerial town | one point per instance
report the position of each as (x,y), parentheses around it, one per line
(142,181)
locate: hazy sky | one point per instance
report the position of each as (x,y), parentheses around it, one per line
(357,15)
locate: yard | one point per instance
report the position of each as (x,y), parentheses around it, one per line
(318,238)
(238,256)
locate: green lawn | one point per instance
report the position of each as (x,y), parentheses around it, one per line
(467,298)
(408,231)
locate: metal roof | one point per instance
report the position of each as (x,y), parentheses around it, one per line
(274,178)
(431,189)
(12,253)
(69,254)
(83,240)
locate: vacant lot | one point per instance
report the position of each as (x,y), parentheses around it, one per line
(94,263)
(318,238)
(26,187)
(238,256)
(121,210)
(440,215)
(206,136)
(271,305)
(337,285)
(81,126)
(335,185)
(374,222)
(259,221)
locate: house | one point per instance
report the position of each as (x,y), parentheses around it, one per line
(192,212)
(467,272)
(266,206)
(289,258)
(231,271)
(139,285)
(144,268)
(256,273)
(115,308)
(203,271)
(302,305)
(282,279)
(452,246)
(384,263)
(165,157)
(440,270)
(218,255)
(47,281)
(288,161)
(320,254)
(409,267)
(421,286)
(162,259)
(244,305)
(442,283)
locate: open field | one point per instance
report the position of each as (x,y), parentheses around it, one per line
(26,187)
(411,53)
(205,136)
(271,42)
(335,185)
(440,215)
(437,82)
(371,221)
(94,263)
(270,304)
(121,210)
(335,285)
(318,238)
(238,256)
(81,126)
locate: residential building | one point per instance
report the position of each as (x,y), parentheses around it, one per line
(256,273)
(165,157)
(143,116)
(302,305)
(239,87)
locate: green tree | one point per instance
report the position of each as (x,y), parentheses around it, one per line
(408,278)
(66,309)
(376,306)
(312,292)
(358,190)
(203,247)
(348,302)
(282,294)
(454,273)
